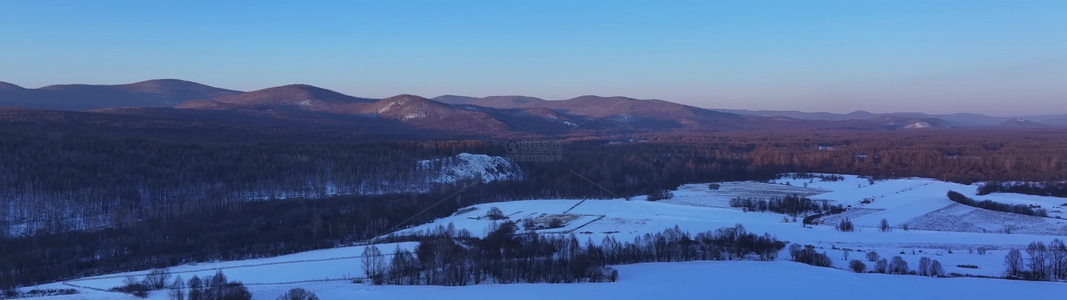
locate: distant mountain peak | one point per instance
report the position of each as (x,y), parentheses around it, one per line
(406,97)
(9,86)
(411,106)
(300,95)
(1022,123)
(166,81)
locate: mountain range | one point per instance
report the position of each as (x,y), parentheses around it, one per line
(301,106)
(957,119)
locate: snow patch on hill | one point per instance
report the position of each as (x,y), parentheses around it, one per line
(918,125)
(465,166)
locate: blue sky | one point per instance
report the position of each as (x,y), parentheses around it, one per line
(993,57)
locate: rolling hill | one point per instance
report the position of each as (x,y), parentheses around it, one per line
(77,97)
(654,114)
(1023,123)
(410,110)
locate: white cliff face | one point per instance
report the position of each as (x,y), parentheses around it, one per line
(467,166)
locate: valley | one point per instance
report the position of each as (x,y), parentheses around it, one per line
(693,208)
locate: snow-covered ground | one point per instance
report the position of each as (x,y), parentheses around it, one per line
(690,280)
(939,229)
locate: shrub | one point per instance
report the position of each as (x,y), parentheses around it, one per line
(11,293)
(714,186)
(897,265)
(494,213)
(845,225)
(807,255)
(298,294)
(217,287)
(465,210)
(555,223)
(967,266)
(134,287)
(157,279)
(662,194)
(235,291)
(882,266)
(529,224)
(872,256)
(857,266)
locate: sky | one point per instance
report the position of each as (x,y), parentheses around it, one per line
(937,56)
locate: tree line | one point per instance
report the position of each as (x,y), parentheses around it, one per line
(792,205)
(508,255)
(1021,209)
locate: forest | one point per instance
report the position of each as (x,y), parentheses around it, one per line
(1048,188)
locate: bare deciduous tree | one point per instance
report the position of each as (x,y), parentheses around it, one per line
(1039,267)
(1013,262)
(936,270)
(373,264)
(157,279)
(177,289)
(924,266)
(884,226)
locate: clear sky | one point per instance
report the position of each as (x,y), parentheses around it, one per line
(995,57)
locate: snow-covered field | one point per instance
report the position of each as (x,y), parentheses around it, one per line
(691,280)
(939,229)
